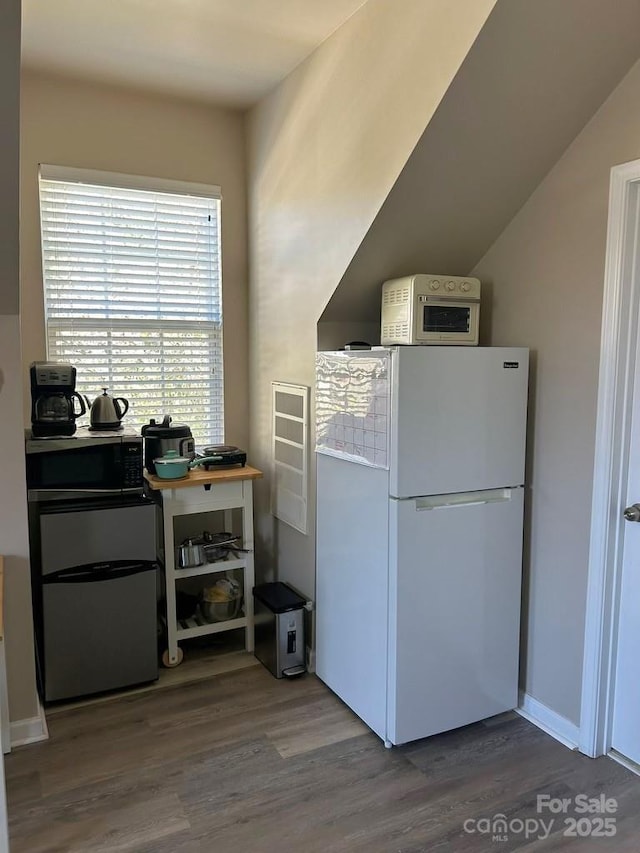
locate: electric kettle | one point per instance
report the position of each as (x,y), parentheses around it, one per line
(107,412)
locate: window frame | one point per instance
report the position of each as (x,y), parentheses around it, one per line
(117,180)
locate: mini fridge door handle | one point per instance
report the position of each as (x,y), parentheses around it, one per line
(93,572)
(461,499)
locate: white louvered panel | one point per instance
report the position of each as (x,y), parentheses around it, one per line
(290,453)
(133,295)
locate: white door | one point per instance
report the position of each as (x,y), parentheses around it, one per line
(611,688)
(454,610)
(625,733)
(458,419)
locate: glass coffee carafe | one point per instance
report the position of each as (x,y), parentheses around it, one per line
(54,407)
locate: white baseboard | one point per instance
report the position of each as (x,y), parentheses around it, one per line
(30,730)
(626,762)
(549,721)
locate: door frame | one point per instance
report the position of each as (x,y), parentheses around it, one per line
(618,345)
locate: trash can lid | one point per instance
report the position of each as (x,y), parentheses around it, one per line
(278,597)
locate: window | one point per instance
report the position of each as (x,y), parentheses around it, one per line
(132,286)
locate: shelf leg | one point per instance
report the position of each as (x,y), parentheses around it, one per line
(249,572)
(170,583)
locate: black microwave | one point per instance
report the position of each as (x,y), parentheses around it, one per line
(84,465)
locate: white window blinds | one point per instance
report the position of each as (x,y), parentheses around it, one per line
(133,295)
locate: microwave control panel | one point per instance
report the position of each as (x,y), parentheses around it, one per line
(131,464)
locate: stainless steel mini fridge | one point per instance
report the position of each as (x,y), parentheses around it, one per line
(279,629)
(97,582)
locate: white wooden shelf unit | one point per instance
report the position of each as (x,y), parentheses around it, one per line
(205,492)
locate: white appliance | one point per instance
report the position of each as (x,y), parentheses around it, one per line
(430,309)
(420,472)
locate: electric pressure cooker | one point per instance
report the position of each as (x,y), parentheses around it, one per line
(160,437)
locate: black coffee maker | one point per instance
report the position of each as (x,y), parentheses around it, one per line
(53,396)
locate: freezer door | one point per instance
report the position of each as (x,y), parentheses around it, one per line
(454,589)
(458,419)
(97,536)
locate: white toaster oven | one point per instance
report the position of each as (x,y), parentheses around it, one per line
(430,309)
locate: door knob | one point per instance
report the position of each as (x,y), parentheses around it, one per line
(632,513)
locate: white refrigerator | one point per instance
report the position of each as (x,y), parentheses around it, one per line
(420,475)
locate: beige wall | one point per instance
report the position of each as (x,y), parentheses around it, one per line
(13,507)
(14,538)
(546,271)
(9,128)
(324,149)
(483,153)
(71,123)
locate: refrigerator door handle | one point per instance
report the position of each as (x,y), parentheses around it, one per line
(461,499)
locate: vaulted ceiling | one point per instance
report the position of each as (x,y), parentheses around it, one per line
(535,75)
(224,51)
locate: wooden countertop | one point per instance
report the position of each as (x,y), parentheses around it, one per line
(200,477)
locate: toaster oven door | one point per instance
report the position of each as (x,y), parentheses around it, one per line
(447,322)
(441,318)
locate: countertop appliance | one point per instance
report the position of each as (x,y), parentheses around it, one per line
(222,456)
(85,465)
(106,412)
(419,533)
(430,309)
(160,437)
(53,398)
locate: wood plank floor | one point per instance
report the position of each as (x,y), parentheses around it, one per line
(243,763)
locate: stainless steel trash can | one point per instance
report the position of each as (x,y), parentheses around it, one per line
(279,629)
